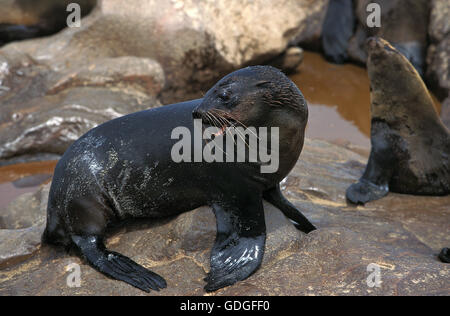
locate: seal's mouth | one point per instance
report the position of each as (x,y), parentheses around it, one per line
(219,119)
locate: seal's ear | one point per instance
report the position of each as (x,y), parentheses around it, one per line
(262,83)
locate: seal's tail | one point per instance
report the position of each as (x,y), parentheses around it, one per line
(54,233)
(117,266)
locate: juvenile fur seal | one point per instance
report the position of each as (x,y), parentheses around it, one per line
(410,145)
(123,169)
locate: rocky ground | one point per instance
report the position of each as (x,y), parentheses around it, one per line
(400,233)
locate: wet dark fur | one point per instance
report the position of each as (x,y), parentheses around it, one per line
(123,169)
(338,28)
(410,145)
(445,255)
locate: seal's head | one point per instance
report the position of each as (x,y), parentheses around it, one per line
(258,96)
(397,90)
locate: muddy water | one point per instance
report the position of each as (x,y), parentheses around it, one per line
(338,98)
(22,178)
(339,106)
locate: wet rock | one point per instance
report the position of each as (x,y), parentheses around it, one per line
(32,181)
(127,57)
(289,61)
(46,111)
(28,158)
(439,27)
(22,225)
(445,114)
(401,234)
(439,67)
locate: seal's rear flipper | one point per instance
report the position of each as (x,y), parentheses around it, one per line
(117,266)
(445,255)
(239,245)
(275,197)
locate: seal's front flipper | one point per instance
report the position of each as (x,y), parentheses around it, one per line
(275,197)
(445,255)
(117,266)
(239,245)
(365,191)
(374,184)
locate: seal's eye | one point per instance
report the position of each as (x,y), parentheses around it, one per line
(225,95)
(263,83)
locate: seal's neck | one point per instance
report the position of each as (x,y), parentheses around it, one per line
(291,139)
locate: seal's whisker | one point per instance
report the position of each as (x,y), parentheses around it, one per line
(226,123)
(242,137)
(217,146)
(235,119)
(218,117)
(211,119)
(215,120)
(231,124)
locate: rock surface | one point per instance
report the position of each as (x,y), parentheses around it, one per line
(438,72)
(446,112)
(401,234)
(126,58)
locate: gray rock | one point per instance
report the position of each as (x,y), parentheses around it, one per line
(401,234)
(22,225)
(290,60)
(445,114)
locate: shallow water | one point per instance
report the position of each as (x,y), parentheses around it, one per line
(22,178)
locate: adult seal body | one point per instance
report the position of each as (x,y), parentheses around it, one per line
(410,145)
(404,23)
(124,169)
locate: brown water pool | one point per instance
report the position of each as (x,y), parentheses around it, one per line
(22,178)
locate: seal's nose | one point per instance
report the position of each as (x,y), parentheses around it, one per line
(372,42)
